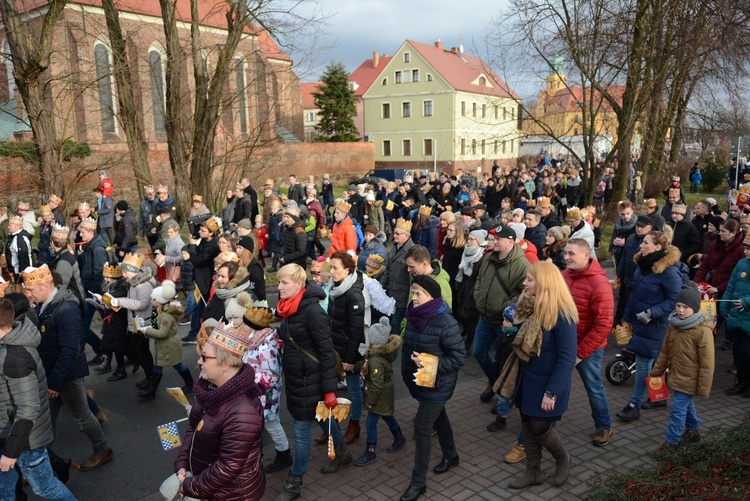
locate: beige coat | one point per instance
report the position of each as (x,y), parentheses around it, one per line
(689,356)
(164,344)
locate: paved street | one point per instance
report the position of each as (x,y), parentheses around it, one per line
(140,465)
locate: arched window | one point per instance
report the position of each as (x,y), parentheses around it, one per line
(240,68)
(158,96)
(9,70)
(105,87)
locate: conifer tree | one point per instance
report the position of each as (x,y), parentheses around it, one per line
(336,103)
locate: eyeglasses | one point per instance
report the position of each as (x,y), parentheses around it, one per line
(203,358)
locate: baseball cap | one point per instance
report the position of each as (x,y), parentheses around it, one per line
(505,232)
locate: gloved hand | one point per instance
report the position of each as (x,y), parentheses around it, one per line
(141,325)
(644,317)
(330,399)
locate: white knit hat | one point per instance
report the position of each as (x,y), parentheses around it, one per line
(164,293)
(237,305)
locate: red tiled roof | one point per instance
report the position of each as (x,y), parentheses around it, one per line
(308,100)
(568,99)
(460,70)
(365,75)
(210,12)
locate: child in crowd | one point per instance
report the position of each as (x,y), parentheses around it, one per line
(236,307)
(382,351)
(261,235)
(164,343)
(504,350)
(688,353)
(115,337)
(264,355)
(188,284)
(320,271)
(276,231)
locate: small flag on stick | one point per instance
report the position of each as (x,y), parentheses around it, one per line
(169,436)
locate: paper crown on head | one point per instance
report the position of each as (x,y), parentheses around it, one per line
(588,212)
(162,188)
(84,206)
(148,189)
(23,206)
(425,210)
(55,199)
(205,331)
(674,191)
(543,202)
(344,206)
(15,219)
(60,232)
(87,223)
(3,288)
(231,340)
(112,271)
(292,209)
(45,209)
(374,261)
(226,256)
(213,224)
(531,204)
(747,240)
(574,213)
(258,317)
(403,224)
(132,262)
(35,276)
(679,209)
(197,198)
(744,218)
(650,203)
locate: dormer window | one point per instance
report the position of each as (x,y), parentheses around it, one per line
(482,81)
(407,57)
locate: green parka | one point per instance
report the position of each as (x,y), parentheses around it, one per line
(378,371)
(163,342)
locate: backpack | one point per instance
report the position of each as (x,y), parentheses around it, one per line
(360,235)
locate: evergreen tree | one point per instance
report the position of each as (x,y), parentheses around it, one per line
(336,103)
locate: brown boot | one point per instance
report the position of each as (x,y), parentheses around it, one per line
(352,431)
(551,441)
(323,439)
(533,474)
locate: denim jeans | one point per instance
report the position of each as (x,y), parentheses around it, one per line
(189,304)
(590,370)
(430,414)
(195,319)
(354,386)
(36,468)
(73,395)
(89,336)
(180,368)
(503,405)
(396,318)
(485,340)
(302,443)
(372,426)
(276,430)
(642,370)
(682,415)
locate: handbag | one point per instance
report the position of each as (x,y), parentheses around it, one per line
(175,273)
(339,365)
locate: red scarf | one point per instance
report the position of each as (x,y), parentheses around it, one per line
(288,307)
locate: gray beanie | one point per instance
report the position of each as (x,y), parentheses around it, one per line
(690,296)
(481,236)
(380,332)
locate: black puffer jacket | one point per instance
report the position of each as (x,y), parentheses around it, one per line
(347,313)
(440,337)
(203,264)
(127,231)
(306,379)
(295,244)
(465,305)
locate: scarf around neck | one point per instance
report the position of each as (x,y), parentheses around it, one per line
(225,294)
(212,398)
(528,341)
(288,307)
(419,316)
(343,286)
(646,263)
(693,320)
(470,256)
(625,227)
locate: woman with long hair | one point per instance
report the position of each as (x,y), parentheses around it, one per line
(465,308)
(453,247)
(545,346)
(554,250)
(256,277)
(446,218)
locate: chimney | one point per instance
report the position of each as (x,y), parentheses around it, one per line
(439,45)
(375,59)
(454,50)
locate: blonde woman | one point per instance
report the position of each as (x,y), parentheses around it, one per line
(446,218)
(546,348)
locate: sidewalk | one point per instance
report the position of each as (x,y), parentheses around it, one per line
(482,474)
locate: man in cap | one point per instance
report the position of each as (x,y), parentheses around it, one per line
(673,198)
(357,211)
(624,227)
(480,214)
(245,208)
(163,221)
(269,198)
(545,208)
(204,249)
(61,351)
(499,283)
(652,211)
(126,238)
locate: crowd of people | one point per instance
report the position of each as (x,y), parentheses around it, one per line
(435,267)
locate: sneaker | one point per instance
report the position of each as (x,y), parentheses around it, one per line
(602,437)
(498,424)
(648,404)
(189,340)
(629,413)
(185,320)
(691,437)
(516,454)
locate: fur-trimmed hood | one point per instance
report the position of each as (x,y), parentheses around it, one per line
(388,350)
(142,277)
(240,276)
(174,309)
(671,258)
(380,238)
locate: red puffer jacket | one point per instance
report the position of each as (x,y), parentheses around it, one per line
(720,262)
(595,302)
(343,237)
(223,443)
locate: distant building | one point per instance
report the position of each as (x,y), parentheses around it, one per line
(427,107)
(309,110)
(360,81)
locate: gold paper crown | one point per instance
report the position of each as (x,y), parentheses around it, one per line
(745,218)
(162,188)
(744,188)
(425,210)
(205,331)
(45,209)
(36,276)
(23,206)
(148,189)
(679,209)
(574,213)
(543,202)
(623,333)
(3,288)
(15,219)
(403,224)
(226,256)
(674,191)
(292,210)
(132,262)
(60,232)
(344,206)
(87,224)
(531,204)
(747,240)
(55,199)
(257,317)
(650,203)
(113,271)
(213,224)
(316,267)
(84,206)
(228,339)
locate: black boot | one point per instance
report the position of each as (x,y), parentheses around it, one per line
(740,385)
(282,461)
(150,392)
(144,383)
(398,440)
(60,466)
(368,457)
(187,377)
(120,373)
(292,488)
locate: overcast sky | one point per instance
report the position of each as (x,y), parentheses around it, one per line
(357,28)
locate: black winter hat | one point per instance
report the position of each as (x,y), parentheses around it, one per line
(429,284)
(690,296)
(247,243)
(122,205)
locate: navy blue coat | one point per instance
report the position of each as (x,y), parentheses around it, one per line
(655,291)
(61,349)
(440,337)
(626,266)
(91,264)
(551,371)
(427,236)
